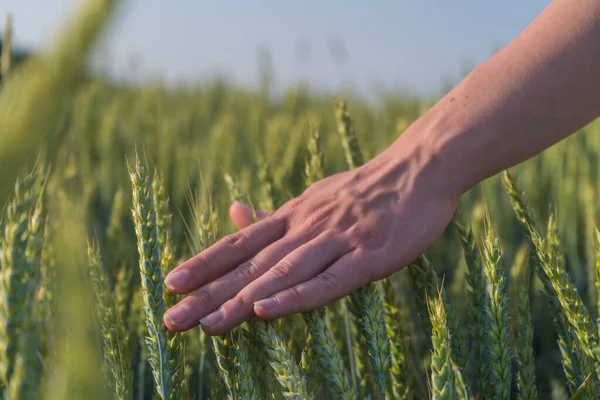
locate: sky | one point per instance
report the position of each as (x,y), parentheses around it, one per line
(416,46)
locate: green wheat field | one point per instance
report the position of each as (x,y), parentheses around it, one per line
(105,188)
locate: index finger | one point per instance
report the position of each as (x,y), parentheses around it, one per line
(225,255)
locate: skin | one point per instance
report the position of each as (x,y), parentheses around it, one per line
(365,224)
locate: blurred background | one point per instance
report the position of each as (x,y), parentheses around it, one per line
(413,46)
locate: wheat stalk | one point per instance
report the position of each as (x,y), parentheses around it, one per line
(6,56)
(25,382)
(144,218)
(175,343)
(271,197)
(568,296)
(499,349)
(224,350)
(124,291)
(526,386)
(118,242)
(401,378)
(476,303)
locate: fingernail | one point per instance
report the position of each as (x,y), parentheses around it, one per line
(266,304)
(178,315)
(177,279)
(212,318)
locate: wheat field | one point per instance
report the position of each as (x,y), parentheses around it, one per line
(104,188)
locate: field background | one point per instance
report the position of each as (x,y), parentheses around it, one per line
(84,131)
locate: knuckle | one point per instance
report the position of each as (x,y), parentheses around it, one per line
(338,239)
(295,292)
(290,206)
(282,269)
(238,240)
(360,252)
(334,235)
(248,271)
(241,300)
(317,218)
(329,281)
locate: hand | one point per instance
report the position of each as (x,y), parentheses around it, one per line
(341,233)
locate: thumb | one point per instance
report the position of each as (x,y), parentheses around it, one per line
(241,214)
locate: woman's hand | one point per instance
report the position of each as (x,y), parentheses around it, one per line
(341,233)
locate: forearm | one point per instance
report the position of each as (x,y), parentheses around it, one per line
(539,89)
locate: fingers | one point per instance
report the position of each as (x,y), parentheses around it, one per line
(204,301)
(299,266)
(224,256)
(345,276)
(241,214)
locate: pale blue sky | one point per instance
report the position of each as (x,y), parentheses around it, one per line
(414,45)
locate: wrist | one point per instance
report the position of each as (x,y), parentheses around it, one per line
(448,143)
(419,159)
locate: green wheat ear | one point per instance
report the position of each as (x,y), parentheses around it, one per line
(116,363)
(499,348)
(28,322)
(224,349)
(574,364)
(476,293)
(442,372)
(124,295)
(244,376)
(569,298)
(144,217)
(271,196)
(117,240)
(286,369)
(313,167)
(352,150)
(21,247)
(424,283)
(326,352)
